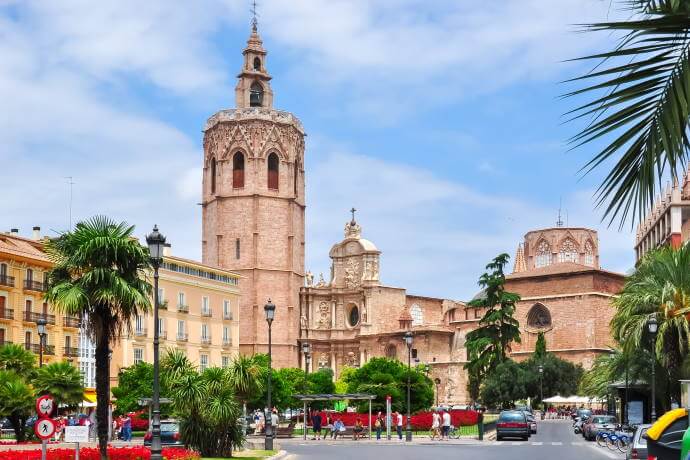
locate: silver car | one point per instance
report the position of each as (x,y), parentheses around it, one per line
(637,450)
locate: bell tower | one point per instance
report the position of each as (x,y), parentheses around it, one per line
(253,206)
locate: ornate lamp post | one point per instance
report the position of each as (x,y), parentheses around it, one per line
(653,327)
(41,325)
(270,310)
(408,342)
(541,386)
(156,243)
(437,381)
(306,349)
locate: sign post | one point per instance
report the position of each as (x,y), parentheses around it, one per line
(44,428)
(388,417)
(77,434)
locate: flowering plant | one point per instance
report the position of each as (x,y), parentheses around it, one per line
(91,453)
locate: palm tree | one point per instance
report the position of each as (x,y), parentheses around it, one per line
(641,98)
(17,359)
(61,380)
(16,401)
(99,275)
(247,377)
(659,287)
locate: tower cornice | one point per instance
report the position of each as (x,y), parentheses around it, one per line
(253,114)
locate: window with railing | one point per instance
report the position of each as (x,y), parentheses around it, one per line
(203,362)
(138,355)
(205,307)
(225,361)
(227,311)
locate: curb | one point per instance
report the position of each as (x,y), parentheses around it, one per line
(280,455)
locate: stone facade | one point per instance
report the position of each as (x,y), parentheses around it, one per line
(253,206)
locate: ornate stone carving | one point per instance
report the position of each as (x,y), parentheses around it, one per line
(309,279)
(324,321)
(352,276)
(351,359)
(353,230)
(322,282)
(323,360)
(303,322)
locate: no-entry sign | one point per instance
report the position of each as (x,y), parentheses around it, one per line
(44,428)
(44,406)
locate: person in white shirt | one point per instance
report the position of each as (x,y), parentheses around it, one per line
(435,426)
(399,423)
(446,425)
(274,422)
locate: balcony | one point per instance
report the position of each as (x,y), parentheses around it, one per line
(32,317)
(207,313)
(227,343)
(140,332)
(182,337)
(206,340)
(5,342)
(6,313)
(31,285)
(227,315)
(6,280)
(163,335)
(163,305)
(182,308)
(71,352)
(36,348)
(71,321)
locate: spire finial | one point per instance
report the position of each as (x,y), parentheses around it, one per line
(559,222)
(353,211)
(255,21)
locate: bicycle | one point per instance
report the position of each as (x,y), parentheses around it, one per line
(622,443)
(602,438)
(453,433)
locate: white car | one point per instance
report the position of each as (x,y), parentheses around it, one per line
(532,422)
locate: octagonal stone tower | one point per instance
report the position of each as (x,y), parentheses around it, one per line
(253,206)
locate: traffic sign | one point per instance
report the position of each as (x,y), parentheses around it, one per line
(44,428)
(44,406)
(76,434)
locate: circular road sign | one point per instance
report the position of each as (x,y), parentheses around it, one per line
(44,428)
(44,406)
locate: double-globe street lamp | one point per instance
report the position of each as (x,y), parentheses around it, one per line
(156,243)
(541,387)
(306,349)
(41,326)
(270,310)
(653,327)
(408,342)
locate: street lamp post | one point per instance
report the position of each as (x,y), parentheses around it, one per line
(408,342)
(653,327)
(306,349)
(156,243)
(437,381)
(541,386)
(270,310)
(41,325)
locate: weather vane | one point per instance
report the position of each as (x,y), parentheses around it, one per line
(255,21)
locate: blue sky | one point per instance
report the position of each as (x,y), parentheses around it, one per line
(440,121)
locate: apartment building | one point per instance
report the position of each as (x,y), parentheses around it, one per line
(23,271)
(199,307)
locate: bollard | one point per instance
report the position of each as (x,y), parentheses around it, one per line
(480,426)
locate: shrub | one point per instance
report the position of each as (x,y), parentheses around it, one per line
(89,453)
(419,421)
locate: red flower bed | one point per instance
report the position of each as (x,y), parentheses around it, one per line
(90,453)
(420,421)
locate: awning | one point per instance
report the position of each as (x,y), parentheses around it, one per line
(90,395)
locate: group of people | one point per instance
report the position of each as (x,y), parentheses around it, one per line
(260,420)
(61,421)
(440,425)
(333,428)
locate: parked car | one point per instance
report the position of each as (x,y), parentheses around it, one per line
(582,413)
(596,424)
(512,424)
(170,434)
(638,447)
(532,423)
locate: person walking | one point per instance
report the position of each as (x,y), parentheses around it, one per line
(316,425)
(435,426)
(127,428)
(274,421)
(399,424)
(379,424)
(445,422)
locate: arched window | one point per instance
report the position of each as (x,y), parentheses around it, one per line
(29,274)
(213,175)
(273,171)
(391,352)
(256,95)
(353,316)
(3,270)
(543,254)
(238,170)
(568,251)
(589,254)
(257,64)
(417,315)
(539,317)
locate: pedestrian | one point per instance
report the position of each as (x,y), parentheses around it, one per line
(357,429)
(378,424)
(445,423)
(127,428)
(435,426)
(338,428)
(399,424)
(274,421)
(316,425)
(326,417)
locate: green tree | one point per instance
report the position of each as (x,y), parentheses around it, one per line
(16,358)
(506,384)
(99,275)
(321,382)
(247,376)
(559,377)
(387,377)
(295,383)
(489,344)
(133,383)
(62,381)
(660,288)
(639,98)
(17,400)
(618,366)
(539,347)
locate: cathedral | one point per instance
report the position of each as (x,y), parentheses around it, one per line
(253,223)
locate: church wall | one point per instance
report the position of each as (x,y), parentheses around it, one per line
(565,283)
(385,305)
(432,308)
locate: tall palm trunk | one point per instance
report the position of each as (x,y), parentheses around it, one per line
(103,393)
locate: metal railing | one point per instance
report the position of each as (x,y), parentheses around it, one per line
(140,332)
(6,280)
(163,304)
(227,343)
(182,308)
(36,348)
(227,315)
(207,312)
(182,337)
(31,285)
(71,321)
(33,317)
(71,351)
(206,340)
(6,313)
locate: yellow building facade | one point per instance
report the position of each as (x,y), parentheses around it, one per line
(199,315)
(23,270)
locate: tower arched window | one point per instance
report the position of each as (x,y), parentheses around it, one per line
(543,257)
(417,315)
(273,171)
(568,251)
(295,177)
(238,170)
(213,175)
(256,95)
(589,254)
(539,317)
(257,64)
